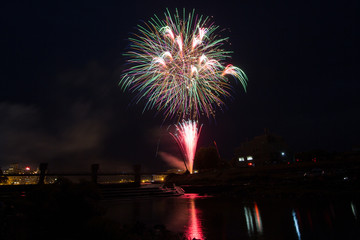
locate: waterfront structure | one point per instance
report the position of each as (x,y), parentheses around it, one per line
(262,150)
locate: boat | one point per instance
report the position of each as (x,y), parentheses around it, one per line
(144,191)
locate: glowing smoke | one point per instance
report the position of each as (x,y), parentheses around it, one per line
(172,160)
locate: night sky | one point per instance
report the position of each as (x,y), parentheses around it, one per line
(61,63)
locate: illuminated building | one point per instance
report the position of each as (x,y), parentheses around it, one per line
(262,150)
(13,169)
(20,180)
(158,178)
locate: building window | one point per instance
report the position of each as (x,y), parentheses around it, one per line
(249,158)
(241,159)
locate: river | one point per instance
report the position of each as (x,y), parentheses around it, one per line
(223,218)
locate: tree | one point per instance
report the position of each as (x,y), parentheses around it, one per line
(206,158)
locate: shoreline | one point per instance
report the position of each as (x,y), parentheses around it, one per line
(268,183)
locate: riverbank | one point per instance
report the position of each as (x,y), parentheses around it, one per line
(270,182)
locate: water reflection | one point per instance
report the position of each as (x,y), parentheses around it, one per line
(353,209)
(295,219)
(252,217)
(225,218)
(194,228)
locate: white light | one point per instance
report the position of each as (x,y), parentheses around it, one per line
(249,158)
(195,171)
(241,159)
(282,154)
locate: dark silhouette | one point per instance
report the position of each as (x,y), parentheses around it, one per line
(43,168)
(2,177)
(94,171)
(207,158)
(137,177)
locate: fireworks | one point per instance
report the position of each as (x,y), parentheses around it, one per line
(187,136)
(177,66)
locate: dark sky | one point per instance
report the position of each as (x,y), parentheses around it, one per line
(61,63)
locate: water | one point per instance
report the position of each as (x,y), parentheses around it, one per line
(203,217)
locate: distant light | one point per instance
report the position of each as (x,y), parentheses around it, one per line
(282,153)
(250,164)
(241,159)
(27,168)
(196,171)
(249,158)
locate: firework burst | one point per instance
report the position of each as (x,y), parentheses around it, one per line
(187,135)
(178,66)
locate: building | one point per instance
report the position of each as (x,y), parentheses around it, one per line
(262,150)
(14,172)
